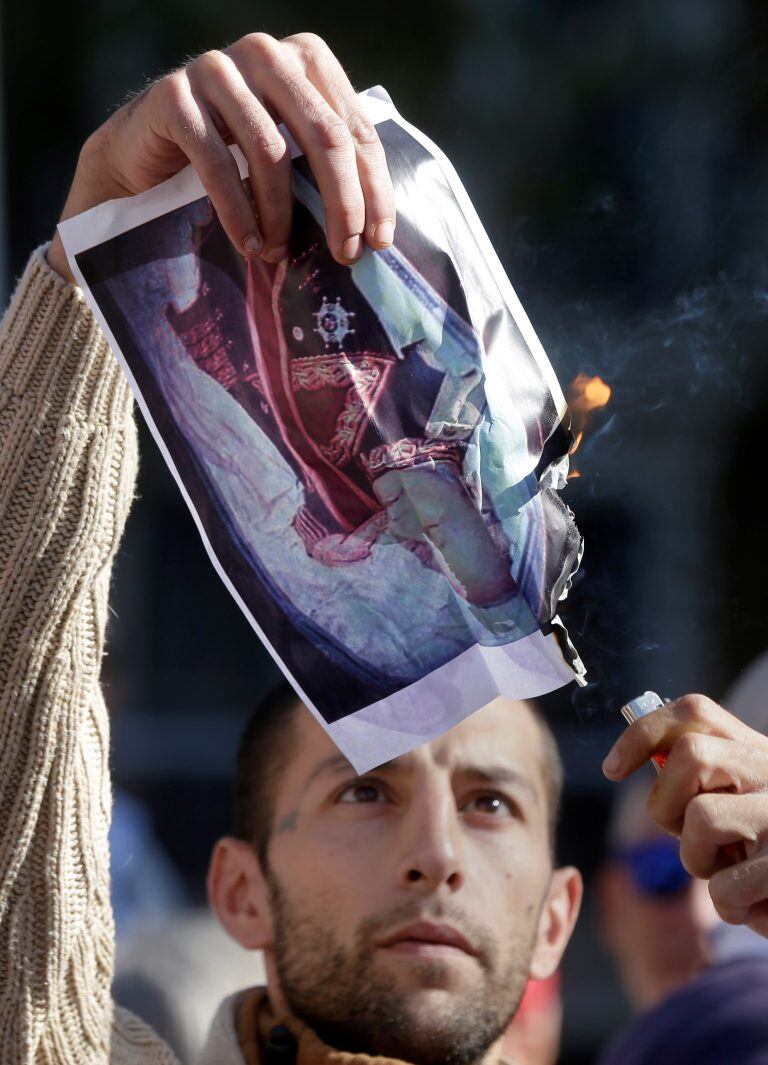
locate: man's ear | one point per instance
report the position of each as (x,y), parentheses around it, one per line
(238,893)
(557,920)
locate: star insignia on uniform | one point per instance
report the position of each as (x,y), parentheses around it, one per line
(333,322)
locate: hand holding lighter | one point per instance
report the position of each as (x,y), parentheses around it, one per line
(645,704)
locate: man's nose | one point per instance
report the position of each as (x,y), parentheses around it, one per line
(432,851)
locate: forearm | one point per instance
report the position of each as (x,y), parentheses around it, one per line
(67,470)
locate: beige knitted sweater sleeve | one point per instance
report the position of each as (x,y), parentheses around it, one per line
(67,472)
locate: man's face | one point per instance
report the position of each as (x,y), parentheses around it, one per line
(404,905)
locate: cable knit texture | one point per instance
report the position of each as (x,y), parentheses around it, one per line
(67,472)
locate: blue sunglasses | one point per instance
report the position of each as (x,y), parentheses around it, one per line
(655,868)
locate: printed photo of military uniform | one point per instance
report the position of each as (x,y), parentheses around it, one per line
(333,429)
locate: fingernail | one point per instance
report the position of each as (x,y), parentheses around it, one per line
(384,233)
(252,244)
(612,763)
(352,248)
(276,255)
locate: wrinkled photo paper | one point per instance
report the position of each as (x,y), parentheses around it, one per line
(371,453)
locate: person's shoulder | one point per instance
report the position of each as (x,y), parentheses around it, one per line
(720,1016)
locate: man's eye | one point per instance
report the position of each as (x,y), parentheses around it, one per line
(366,792)
(493,805)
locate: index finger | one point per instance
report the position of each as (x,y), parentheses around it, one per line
(276,74)
(657,732)
(700,764)
(328,76)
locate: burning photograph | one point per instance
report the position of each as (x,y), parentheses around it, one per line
(372,453)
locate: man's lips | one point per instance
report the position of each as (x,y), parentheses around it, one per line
(428,939)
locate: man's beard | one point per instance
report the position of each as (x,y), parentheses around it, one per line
(339,994)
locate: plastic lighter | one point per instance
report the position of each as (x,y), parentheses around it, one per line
(641,706)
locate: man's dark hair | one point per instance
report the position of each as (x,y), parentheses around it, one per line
(265,748)
(553,771)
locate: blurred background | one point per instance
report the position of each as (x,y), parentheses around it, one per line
(618,157)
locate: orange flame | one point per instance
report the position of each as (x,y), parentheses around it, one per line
(586,395)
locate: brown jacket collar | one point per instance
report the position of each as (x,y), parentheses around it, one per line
(254,1020)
